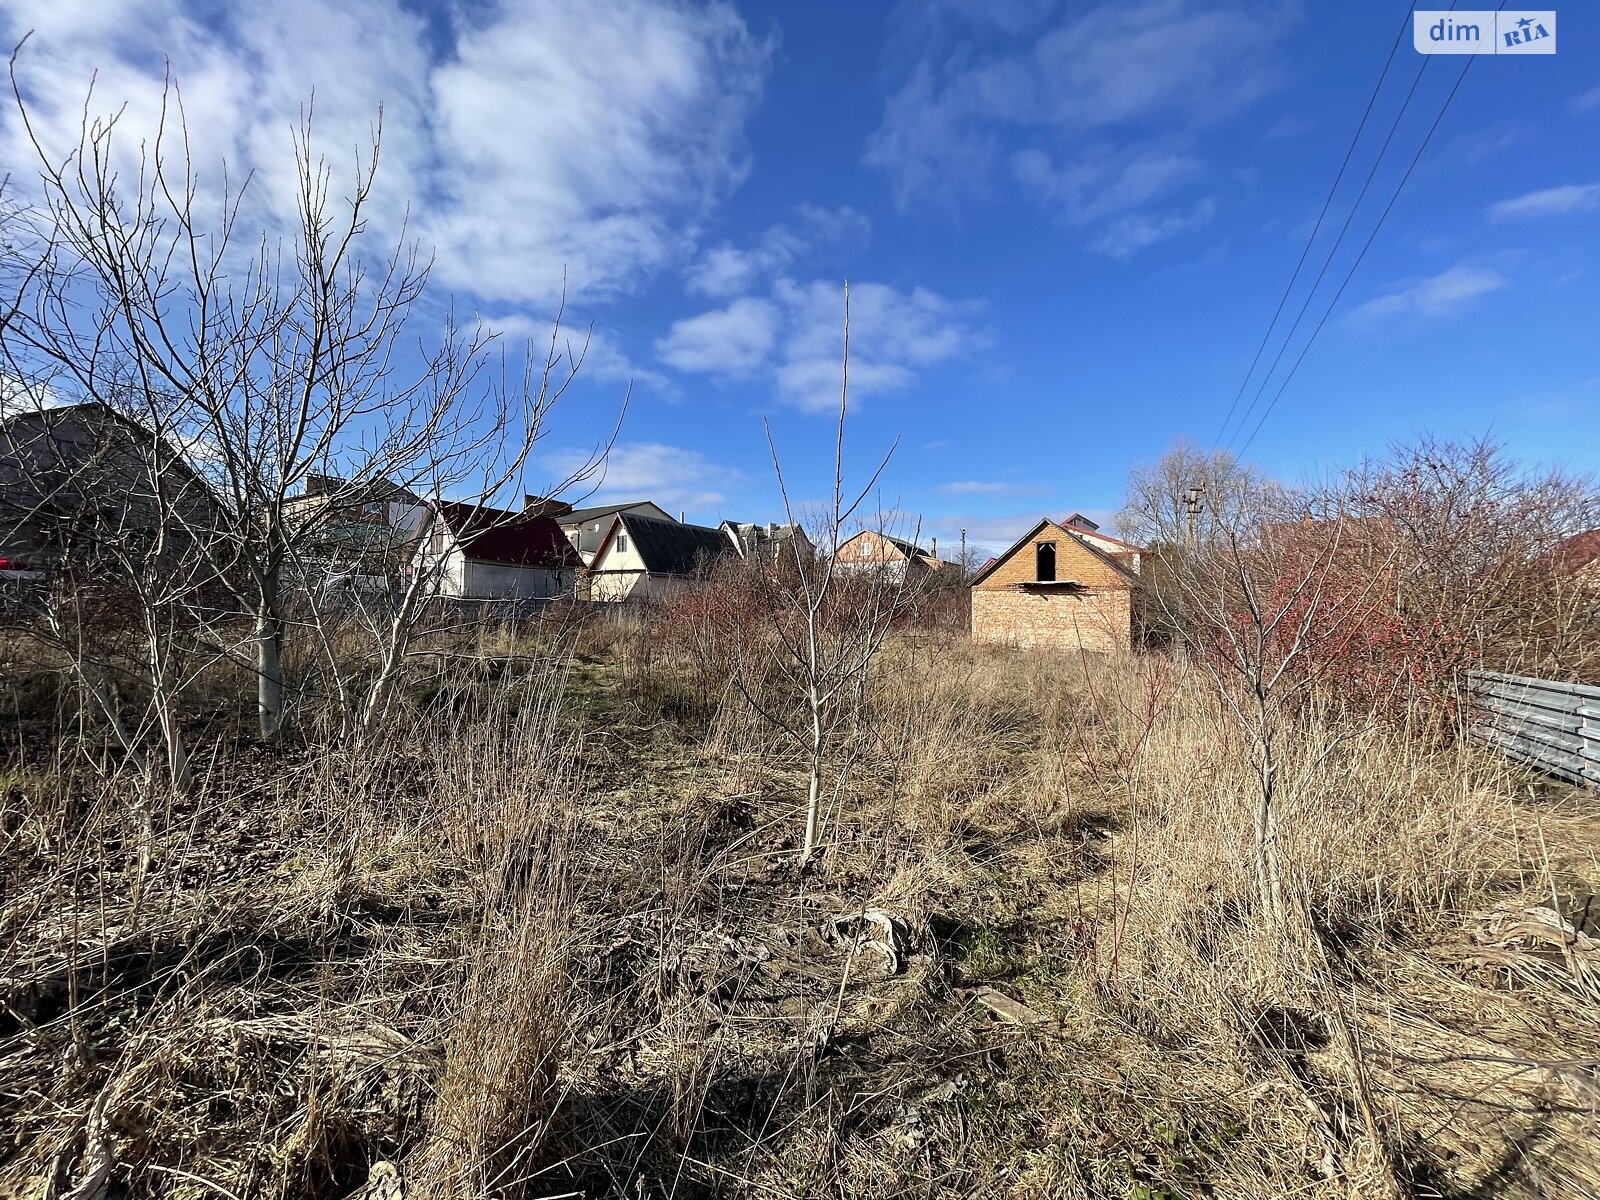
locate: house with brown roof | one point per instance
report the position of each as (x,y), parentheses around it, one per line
(1579,556)
(1124,552)
(874,550)
(477,552)
(1064,586)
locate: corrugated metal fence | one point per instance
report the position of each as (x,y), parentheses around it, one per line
(1554,726)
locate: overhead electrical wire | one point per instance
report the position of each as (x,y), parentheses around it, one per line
(1383,152)
(1365,247)
(1317,228)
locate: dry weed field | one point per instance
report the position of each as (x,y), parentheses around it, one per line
(547,937)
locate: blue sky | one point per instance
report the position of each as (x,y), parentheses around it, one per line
(1065,226)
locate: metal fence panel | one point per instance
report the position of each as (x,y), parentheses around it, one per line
(1553,726)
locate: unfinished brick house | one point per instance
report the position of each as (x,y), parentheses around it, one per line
(1063,586)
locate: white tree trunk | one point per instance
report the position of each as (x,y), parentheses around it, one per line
(814,799)
(269,674)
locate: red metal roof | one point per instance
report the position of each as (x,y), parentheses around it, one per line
(498,535)
(1579,550)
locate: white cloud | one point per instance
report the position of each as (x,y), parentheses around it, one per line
(1550,202)
(728,270)
(893,334)
(1128,234)
(674,478)
(598,357)
(796,338)
(732,342)
(546,136)
(1108,191)
(986,535)
(1437,296)
(1093,72)
(603,362)
(1586,101)
(19,396)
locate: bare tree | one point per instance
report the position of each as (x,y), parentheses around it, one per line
(1265,603)
(829,623)
(1479,537)
(471,477)
(268,363)
(1191,497)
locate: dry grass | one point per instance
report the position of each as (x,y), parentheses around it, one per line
(548,938)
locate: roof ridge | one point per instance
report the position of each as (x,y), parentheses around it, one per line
(1076,536)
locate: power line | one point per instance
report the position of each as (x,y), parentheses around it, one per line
(1317,228)
(1368,245)
(1383,152)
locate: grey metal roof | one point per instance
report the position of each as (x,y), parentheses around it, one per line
(579,515)
(81,474)
(671,548)
(751,538)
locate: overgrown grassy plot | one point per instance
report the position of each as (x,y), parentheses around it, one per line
(549,937)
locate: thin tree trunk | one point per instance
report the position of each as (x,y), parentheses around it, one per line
(269,674)
(383,684)
(166,710)
(104,697)
(1269,868)
(814,800)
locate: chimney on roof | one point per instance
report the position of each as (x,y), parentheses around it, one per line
(537,506)
(681,515)
(935,554)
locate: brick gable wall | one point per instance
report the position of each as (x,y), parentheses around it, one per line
(1073,561)
(1099,619)
(1097,616)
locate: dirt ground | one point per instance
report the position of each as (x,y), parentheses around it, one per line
(551,940)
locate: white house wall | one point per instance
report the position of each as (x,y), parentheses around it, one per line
(614,588)
(460,577)
(616,573)
(508,581)
(446,577)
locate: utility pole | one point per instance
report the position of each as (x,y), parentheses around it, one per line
(963,556)
(1192,502)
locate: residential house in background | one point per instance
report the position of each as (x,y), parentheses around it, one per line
(768,543)
(1124,552)
(381,502)
(475,552)
(78,480)
(872,550)
(1059,587)
(1579,555)
(586,528)
(645,557)
(362,532)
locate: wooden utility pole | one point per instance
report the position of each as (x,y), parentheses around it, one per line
(1191,504)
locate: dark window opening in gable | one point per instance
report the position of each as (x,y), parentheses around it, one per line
(1044,561)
